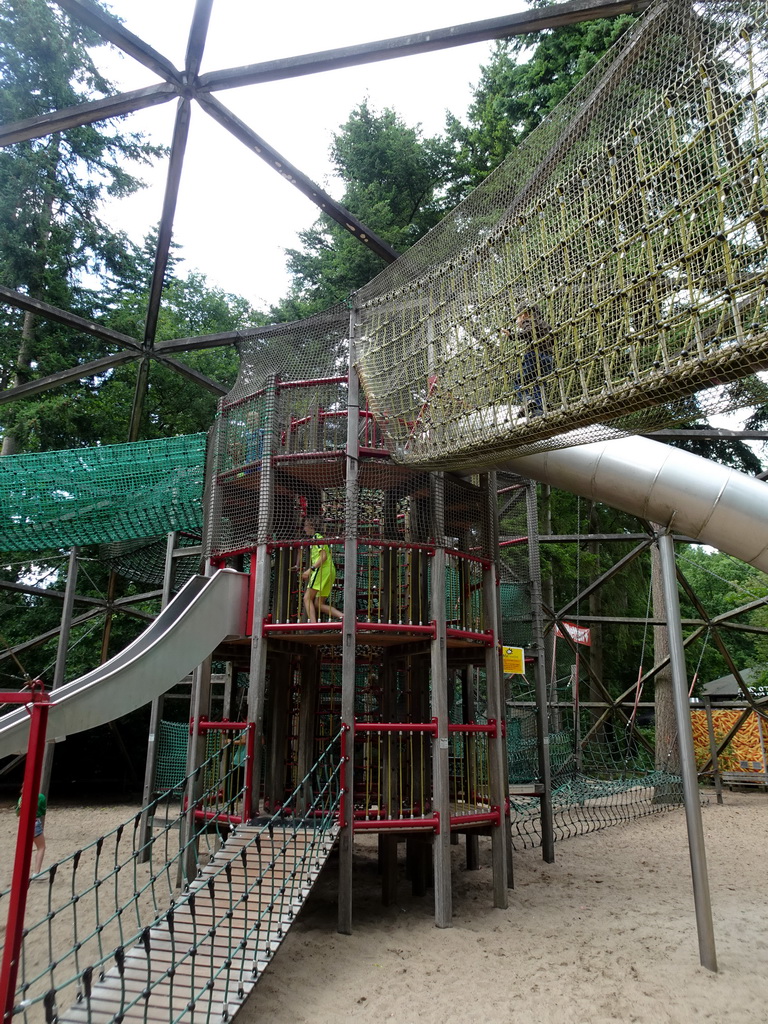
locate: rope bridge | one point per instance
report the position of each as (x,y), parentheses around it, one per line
(181,927)
(612,270)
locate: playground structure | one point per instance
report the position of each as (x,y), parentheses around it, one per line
(657,301)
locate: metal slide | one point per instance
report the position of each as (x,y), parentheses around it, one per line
(206,611)
(692,496)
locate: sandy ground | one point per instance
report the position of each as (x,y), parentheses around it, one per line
(607,933)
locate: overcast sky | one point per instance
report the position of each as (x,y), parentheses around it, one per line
(235,216)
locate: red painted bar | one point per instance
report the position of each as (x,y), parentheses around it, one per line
(300,627)
(373,452)
(494,817)
(232,819)
(17,905)
(243,401)
(467,556)
(206,726)
(395,627)
(304,543)
(286,384)
(396,544)
(466,634)
(293,456)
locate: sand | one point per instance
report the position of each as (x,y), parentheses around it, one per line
(606,933)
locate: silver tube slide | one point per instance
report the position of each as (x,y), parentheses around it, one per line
(204,612)
(691,495)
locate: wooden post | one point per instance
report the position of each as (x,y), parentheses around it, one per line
(439,694)
(497,747)
(201,703)
(713,750)
(155,717)
(59,672)
(277,746)
(349,631)
(260,565)
(540,674)
(310,690)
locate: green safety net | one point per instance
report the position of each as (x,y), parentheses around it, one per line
(101,495)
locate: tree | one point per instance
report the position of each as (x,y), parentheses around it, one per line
(52,240)
(514,94)
(391,179)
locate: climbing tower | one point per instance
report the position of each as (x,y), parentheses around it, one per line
(416,585)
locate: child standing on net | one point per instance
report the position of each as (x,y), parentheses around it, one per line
(320,576)
(39,837)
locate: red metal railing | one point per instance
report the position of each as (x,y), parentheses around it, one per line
(17,905)
(393,776)
(232,784)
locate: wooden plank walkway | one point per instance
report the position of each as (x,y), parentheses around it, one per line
(201,963)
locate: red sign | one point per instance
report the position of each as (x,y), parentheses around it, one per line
(579,634)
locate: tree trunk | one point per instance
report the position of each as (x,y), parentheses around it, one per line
(21,375)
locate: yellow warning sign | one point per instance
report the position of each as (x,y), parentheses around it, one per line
(513,660)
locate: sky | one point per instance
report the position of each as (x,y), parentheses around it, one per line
(235,216)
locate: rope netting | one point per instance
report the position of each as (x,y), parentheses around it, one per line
(611,271)
(108,494)
(603,772)
(184,923)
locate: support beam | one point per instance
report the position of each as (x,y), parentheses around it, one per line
(85,113)
(349,636)
(109,28)
(79,372)
(421,42)
(701,897)
(297,178)
(257,679)
(60,667)
(540,678)
(61,316)
(439,707)
(198,34)
(165,232)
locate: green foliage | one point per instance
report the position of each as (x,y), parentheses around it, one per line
(515,94)
(391,177)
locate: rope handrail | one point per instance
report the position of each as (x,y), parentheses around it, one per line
(130,905)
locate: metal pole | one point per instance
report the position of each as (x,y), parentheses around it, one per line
(349,635)
(702,903)
(61,657)
(441,843)
(20,883)
(540,677)
(155,717)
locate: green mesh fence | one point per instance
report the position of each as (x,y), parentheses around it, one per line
(101,495)
(171,767)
